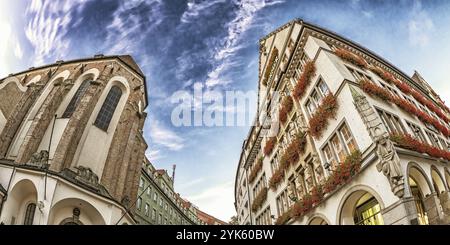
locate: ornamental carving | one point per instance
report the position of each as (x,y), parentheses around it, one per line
(86,176)
(39,159)
(389,163)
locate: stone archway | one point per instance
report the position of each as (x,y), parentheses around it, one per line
(318,219)
(422,190)
(361,205)
(447,177)
(74,211)
(438,182)
(21,206)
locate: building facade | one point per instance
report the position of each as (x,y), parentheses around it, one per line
(159,204)
(71,143)
(341,136)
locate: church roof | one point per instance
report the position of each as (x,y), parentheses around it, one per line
(125,59)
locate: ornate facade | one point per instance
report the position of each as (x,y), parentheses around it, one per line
(71,142)
(341,137)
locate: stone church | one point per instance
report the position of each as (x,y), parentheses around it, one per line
(71,142)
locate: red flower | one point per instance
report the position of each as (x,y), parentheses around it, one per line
(259,199)
(408,142)
(325,111)
(286,107)
(270,144)
(269,66)
(309,71)
(351,57)
(255,170)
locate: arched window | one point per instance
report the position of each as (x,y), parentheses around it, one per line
(29,214)
(109,106)
(76,99)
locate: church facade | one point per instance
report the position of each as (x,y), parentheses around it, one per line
(71,142)
(341,136)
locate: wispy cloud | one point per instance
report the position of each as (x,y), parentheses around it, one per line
(163,136)
(153,155)
(132,22)
(194,9)
(49,22)
(241,23)
(420,25)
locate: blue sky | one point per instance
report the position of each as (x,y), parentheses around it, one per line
(213,43)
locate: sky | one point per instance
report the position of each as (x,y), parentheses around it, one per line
(213,46)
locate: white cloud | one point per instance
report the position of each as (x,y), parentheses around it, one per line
(153,155)
(243,20)
(4,45)
(128,28)
(48,24)
(216,200)
(194,9)
(420,25)
(18,51)
(160,135)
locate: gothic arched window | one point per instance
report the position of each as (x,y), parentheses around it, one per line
(76,99)
(29,214)
(109,106)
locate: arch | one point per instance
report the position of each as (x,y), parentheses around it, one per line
(48,88)
(438,182)
(108,108)
(318,219)
(447,177)
(21,133)
(89,152)
(62,212)
(356,197)
(23,193)
(417,174)
(91,74)
(13,80)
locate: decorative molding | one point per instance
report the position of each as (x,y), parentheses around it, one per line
(389,162)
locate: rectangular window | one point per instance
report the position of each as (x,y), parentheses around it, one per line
(392,123)
(417,132)
(318,93)
(433,139)
(349,141)
(154,214)
(161,201)
(337,146)
(146,209)
(329,156)
(155,197)
(149,191)
(141,183)
(139,203)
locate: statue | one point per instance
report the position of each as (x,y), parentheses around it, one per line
(389,162)
(291,191)
(87,176)
(39,159)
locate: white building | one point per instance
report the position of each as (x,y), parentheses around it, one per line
(71,143)
(342,137)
